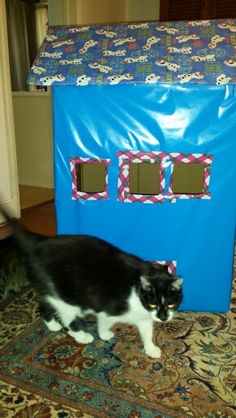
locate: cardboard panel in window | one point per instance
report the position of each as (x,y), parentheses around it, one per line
(190,176)
(144,178)
(141,176)
(89,178)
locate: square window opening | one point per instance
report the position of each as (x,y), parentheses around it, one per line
(144,178)
(188,178)
(141,176)
(91,177)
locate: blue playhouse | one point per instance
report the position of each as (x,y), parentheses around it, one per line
(145,143)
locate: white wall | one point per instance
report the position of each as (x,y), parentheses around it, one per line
(99,11)
(138,10)
(56,11)
(33,126)
(33,111)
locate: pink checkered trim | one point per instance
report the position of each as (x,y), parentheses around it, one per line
(125,158)
(204,159)
(171,266)
(76,194)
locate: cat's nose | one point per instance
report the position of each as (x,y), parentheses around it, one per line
(163,315)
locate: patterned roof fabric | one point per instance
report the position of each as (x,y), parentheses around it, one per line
(199,52)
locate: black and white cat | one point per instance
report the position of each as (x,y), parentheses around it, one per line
(75,275)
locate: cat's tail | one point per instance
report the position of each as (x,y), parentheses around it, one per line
(23,239)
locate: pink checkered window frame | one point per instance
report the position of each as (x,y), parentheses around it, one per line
(128,157)
(77,194)
(170,264)
(205,160)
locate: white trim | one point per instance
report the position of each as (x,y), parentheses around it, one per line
(9,174)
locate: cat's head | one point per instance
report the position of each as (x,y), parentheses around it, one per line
(160,292)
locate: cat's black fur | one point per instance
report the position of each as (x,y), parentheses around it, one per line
(95,276)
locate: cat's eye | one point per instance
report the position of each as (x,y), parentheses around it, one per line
(171,306)
(152,306)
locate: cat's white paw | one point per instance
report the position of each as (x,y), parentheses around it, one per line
(53,325)
(81,337)
(153,351)
(106,335)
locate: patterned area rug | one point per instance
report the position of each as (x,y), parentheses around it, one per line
(44,374)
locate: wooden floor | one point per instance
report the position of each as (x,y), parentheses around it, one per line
(41,219)
(31,196)
(37,211)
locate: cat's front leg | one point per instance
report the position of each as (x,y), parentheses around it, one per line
(145,328)
(104,324)
(53,325)
(79,335)
(48,314)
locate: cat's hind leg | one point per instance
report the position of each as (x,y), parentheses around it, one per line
(48,313)
(79,335)
(70,318)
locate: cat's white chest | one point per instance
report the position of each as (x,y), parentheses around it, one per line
(136,311)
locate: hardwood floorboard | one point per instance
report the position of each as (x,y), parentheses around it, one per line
(41,219)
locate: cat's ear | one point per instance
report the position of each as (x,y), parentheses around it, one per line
(145,283)
(177,283)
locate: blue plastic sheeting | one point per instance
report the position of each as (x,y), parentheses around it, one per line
(98,121)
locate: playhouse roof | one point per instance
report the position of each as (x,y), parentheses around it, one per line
(199,52)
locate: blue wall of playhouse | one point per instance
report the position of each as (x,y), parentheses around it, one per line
(99,121)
